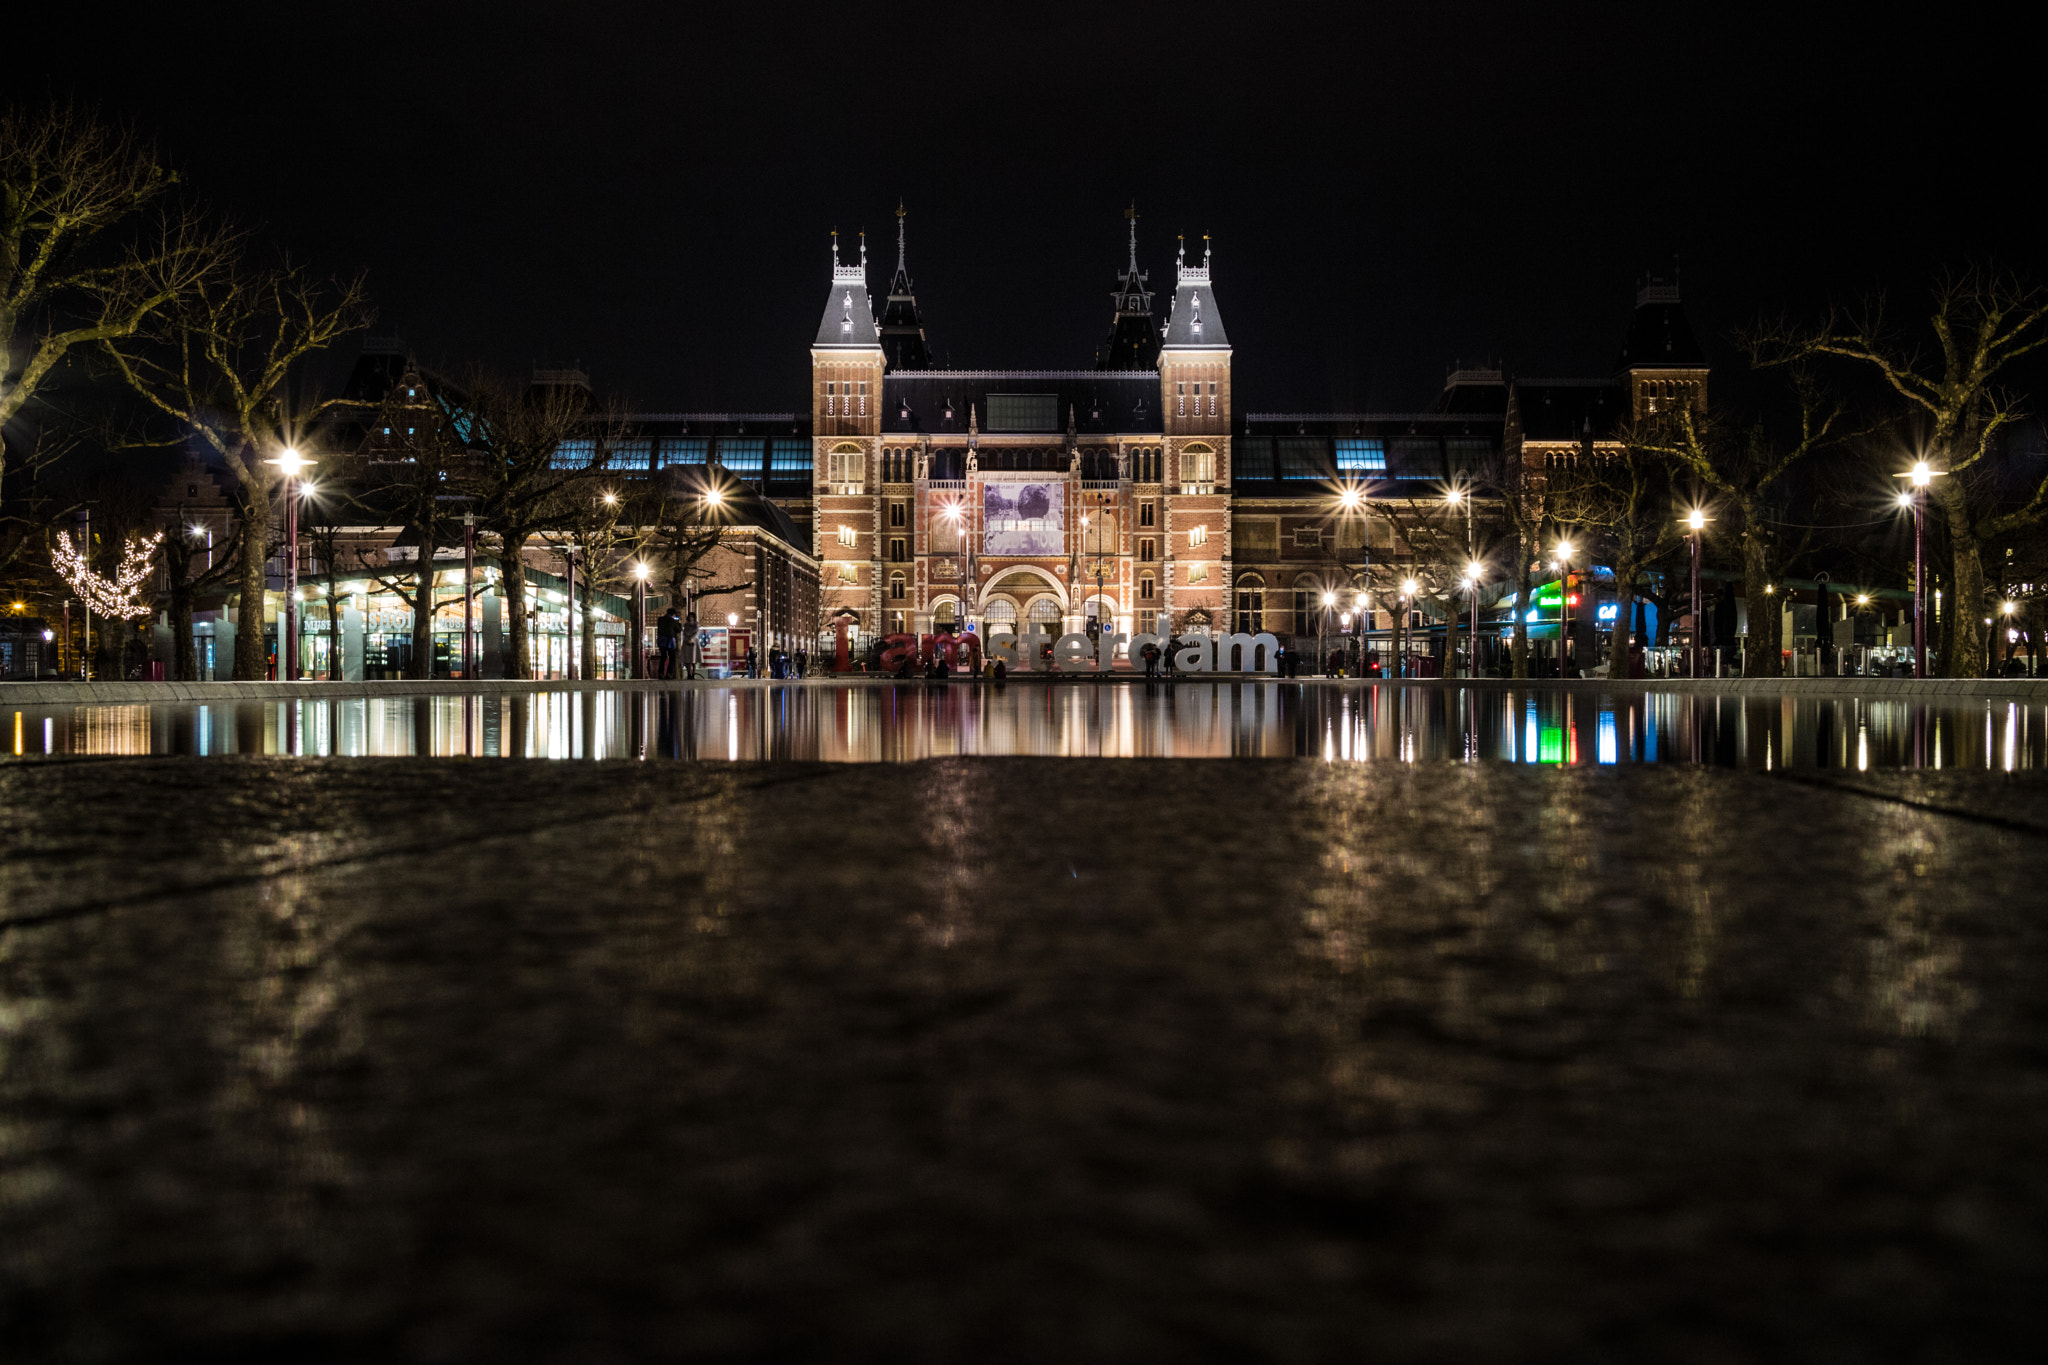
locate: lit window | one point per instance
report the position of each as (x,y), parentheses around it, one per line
(1198,536)
(1145,588)
(1198,573)
(847,537)
(849,573)
(1361,456)
(896,586)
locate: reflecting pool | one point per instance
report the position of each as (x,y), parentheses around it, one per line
(1353,723)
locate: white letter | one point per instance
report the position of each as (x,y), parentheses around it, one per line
(1246,647)
(1105,651)
(1074,653)
(1136,653)
(1003,649)
(1194,657)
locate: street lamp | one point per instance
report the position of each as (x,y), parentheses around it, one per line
(1564,604)
(1695,525)
(1922,474)
(1475,574)
(291,462)
(1323,634)
(1401,629)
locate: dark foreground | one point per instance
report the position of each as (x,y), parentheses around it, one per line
(1019,1060)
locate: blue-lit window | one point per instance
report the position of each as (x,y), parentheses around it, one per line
(789,461)
(1303,457)
(633,456)
(1253,458)
(684,450)
(1418,457)
(576,454)
(743,458)
(1356,455)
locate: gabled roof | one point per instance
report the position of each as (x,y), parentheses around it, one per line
(849,319)
(1194,323)
(1659,336)
(902,330)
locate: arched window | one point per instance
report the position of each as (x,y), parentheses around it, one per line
(1044,612)
(847,469)
(1197,468)
(1001,611)
(896,587)
(1251,602)
(946,613)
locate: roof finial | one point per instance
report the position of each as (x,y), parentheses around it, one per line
(1132,214)
(863,251)
(973,423)
(1180,253)
(901,214)
(835,248)
(1206,249)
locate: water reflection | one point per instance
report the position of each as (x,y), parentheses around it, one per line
(867,724)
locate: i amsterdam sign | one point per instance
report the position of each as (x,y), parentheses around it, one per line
(1078,653)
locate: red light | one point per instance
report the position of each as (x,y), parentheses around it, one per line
(1573,599)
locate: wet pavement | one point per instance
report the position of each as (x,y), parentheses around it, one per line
(1348,722)
(1020,1059)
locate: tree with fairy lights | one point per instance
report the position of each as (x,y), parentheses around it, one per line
(120,596)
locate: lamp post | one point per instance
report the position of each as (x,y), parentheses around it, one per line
(1323,634)
(1456,497)
(1564,605)
(1922,474)
(1695,523)
(2005,628)
(290,461)
(1408,589)
(1475,574)
(468,598)
(639,656)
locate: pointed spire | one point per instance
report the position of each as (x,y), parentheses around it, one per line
(973,422)
(1132,214)
(1133,337)
(903,339)
(849,317)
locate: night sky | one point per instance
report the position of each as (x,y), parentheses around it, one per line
(647,190)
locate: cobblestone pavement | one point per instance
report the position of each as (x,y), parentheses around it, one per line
(1019,1060)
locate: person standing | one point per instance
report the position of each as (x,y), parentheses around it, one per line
(668,638)
(1151,657)
(691,643)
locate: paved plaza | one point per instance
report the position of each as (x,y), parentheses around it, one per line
(1019,1059)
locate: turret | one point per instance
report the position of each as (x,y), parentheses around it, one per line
(902,329)
(1133,342)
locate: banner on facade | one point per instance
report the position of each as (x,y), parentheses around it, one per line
(1023,514)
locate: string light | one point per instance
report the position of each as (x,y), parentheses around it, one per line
(109,598)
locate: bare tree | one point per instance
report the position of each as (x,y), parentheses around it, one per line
(1740,462)
(186,580)
(77,266)
(1982,320)
(217,360)
(531,462)
(1622,501)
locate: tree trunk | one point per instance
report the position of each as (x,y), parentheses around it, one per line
(1761,658)
(512,579)
(334,650)
(1963,630)
(589,641)
(252,657)
(184,658)
(1618,655)
(421,665)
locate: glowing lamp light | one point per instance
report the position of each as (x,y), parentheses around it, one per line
(1770,588)
(1905,500)
(1564,551)
(1454,496)
(1348,499)
(1696,519)
(732,618)
(640,571)
(1863,599)
(290,461)
(611,500)
(715,497)
(1474,572)
(1329,599)
(2009,608)
(1923,474)
(1408,587)
(1344,619)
